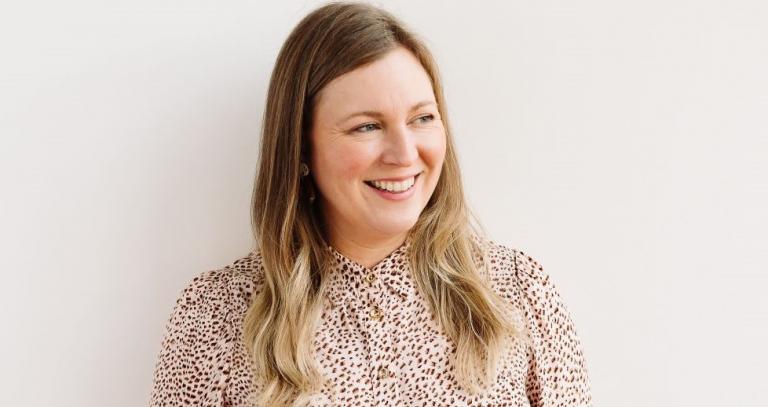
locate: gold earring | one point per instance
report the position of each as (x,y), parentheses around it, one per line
(304,169)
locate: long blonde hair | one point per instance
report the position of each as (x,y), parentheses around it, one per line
(446,254)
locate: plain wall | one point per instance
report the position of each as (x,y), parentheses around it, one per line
(622,144)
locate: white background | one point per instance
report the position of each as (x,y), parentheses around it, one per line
(622,144)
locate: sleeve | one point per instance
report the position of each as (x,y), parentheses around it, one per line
(193,356)
(557,375)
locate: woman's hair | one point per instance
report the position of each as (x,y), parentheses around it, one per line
(447,254)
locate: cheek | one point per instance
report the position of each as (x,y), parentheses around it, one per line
(340,163)
(434,151)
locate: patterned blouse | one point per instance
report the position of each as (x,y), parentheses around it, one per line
(377,343)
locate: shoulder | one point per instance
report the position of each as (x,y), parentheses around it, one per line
(507,262)
(231,285)
(516,274)
(521,278)
(558,370)
(214,294)
(211,303)
(201,331)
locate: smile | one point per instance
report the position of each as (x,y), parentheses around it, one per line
(394,186)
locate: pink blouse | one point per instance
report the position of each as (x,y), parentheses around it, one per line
(377,343)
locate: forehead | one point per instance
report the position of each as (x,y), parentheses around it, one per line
(396,79)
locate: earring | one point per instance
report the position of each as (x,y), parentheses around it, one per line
(304,172)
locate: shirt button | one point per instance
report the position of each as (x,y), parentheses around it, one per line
(384,373)
(375,313)
(370,278)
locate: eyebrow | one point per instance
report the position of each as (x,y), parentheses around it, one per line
(379,114)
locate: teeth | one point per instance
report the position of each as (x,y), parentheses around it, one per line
(394,186)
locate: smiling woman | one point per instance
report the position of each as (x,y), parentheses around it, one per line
(378,168)
(368,284)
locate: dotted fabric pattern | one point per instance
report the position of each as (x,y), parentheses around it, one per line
(377,343)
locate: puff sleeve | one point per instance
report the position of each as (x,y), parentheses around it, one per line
(193,360)
(557,375)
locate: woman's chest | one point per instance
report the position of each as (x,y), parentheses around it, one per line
(385,351)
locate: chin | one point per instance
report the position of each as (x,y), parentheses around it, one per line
(395,226)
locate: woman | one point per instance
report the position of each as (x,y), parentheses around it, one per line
(368,284)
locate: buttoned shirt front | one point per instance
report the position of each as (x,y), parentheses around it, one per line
(377,342)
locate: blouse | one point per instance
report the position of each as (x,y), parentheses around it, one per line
(377,342)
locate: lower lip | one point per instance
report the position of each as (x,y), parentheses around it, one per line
(397,196)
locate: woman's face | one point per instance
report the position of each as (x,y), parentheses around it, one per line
(377,127)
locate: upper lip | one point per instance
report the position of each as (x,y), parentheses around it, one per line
(397,179)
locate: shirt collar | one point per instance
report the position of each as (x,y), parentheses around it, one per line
(393,271)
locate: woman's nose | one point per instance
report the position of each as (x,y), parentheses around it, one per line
(400,147)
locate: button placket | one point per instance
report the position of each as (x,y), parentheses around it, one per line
(385,369)
(379,303)
(375,299)
(376,317)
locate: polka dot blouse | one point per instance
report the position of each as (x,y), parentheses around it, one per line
(377,343)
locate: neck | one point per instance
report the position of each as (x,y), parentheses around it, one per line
(366,252)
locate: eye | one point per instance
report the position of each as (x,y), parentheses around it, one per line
(366,128)
(429,117)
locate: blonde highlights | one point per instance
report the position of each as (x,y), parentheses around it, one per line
(447,253)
